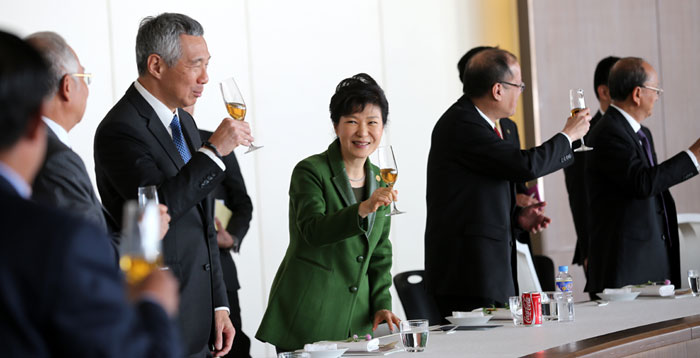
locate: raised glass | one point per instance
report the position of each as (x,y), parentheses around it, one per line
(386,161)
(140,245)
(576,104)
(235,105)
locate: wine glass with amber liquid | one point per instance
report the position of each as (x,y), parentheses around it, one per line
(576,104)
(386,161)
(235,105)
(140,245)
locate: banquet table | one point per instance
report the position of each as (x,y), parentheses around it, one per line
(617,329)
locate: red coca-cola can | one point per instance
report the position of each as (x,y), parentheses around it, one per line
(532,309)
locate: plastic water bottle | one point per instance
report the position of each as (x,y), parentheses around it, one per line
(565,303)
(565,283)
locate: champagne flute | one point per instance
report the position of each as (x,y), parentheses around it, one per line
(147,194)
(235,105)
(140,244)
(576,104)
(389,171)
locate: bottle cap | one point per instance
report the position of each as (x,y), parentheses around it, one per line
(564,268)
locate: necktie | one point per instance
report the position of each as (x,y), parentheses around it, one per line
(647,148)
(179,140)
(498,132)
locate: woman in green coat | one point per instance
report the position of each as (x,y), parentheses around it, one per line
(334,279)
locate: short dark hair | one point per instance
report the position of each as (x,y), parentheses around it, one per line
(602,70)
(161,35)
(627,74)
(354,93)
(24,83)
(467,56)
(485,69)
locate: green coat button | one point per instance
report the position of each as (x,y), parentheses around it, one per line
(360,258)
(353,289)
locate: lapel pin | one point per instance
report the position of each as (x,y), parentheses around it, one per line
(378,178)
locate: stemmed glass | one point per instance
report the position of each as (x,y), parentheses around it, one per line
(576,104)
(389,171)
(235,104)
(140,244)
(147,194)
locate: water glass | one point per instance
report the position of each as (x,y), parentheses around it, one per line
(414,334)
(550,303)
(516,309)
(694,281)
(565,308)
(294,355)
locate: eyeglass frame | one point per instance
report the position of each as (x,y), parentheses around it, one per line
(87,77)
(521,85)
(658,91)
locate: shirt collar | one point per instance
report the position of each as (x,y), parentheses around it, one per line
(488,120)
(633,123)
(162,111)
(59,131)
(17,182)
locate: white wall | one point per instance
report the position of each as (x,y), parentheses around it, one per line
(287,57)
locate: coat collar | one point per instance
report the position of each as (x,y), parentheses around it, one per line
(342,182)
(621,121)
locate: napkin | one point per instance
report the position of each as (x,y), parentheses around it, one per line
(617,291)
(320,346)
(361,346)
(654,290)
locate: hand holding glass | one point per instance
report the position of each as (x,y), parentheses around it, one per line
(234,104)
(386,161)
(576,104)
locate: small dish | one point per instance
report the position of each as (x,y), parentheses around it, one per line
(622,296)
(469,321)
(331,353)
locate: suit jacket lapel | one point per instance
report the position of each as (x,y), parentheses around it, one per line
(631,134)
(155,126)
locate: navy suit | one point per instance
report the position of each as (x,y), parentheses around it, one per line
(629,241)
(71,302)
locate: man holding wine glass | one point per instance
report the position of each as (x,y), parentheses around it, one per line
(633,223)
(472,213)
(147,139)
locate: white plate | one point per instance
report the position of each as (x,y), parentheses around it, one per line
(468,321)
(331,353)
(625,296)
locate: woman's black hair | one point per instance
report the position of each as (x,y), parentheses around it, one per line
(354,93)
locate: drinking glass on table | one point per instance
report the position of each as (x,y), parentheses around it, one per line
(234,104)
(140,245)
(147,194)
(386,161)
(414,334)
(516,310)
(550,303)
(694,281)
(576,104)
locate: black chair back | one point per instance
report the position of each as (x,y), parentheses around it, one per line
(416,302)
(544,266)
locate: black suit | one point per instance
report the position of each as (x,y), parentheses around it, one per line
(629,243)
(576,187)
(71,302)
(233,192)
(132,149)
(471,205)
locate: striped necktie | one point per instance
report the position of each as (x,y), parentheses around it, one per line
(179,140)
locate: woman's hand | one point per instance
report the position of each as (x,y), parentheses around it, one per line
(388,317)
(380,197)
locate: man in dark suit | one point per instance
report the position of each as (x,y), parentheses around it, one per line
(574,174)
(633,227)
(71,303)
(235,197)
(146,139)
(469,256)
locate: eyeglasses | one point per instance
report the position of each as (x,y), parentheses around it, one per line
(521,86)
(658,91)
(87,77)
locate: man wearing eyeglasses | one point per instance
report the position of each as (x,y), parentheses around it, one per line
(472,215)
(633,226)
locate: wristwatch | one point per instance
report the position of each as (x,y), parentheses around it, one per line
(213,148)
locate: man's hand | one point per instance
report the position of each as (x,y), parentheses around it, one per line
(532,218)
(381,197)
(388,317)
(229,135)
(164,220)
(524,200)
(161,287)
(577,126)
(223,239)
(224,333)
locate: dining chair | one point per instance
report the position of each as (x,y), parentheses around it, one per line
(416,302)
(527,276)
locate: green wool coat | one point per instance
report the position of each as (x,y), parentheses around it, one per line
(336,272)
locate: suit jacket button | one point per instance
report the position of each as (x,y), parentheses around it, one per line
(360,258)
(206,267)
(353,289)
